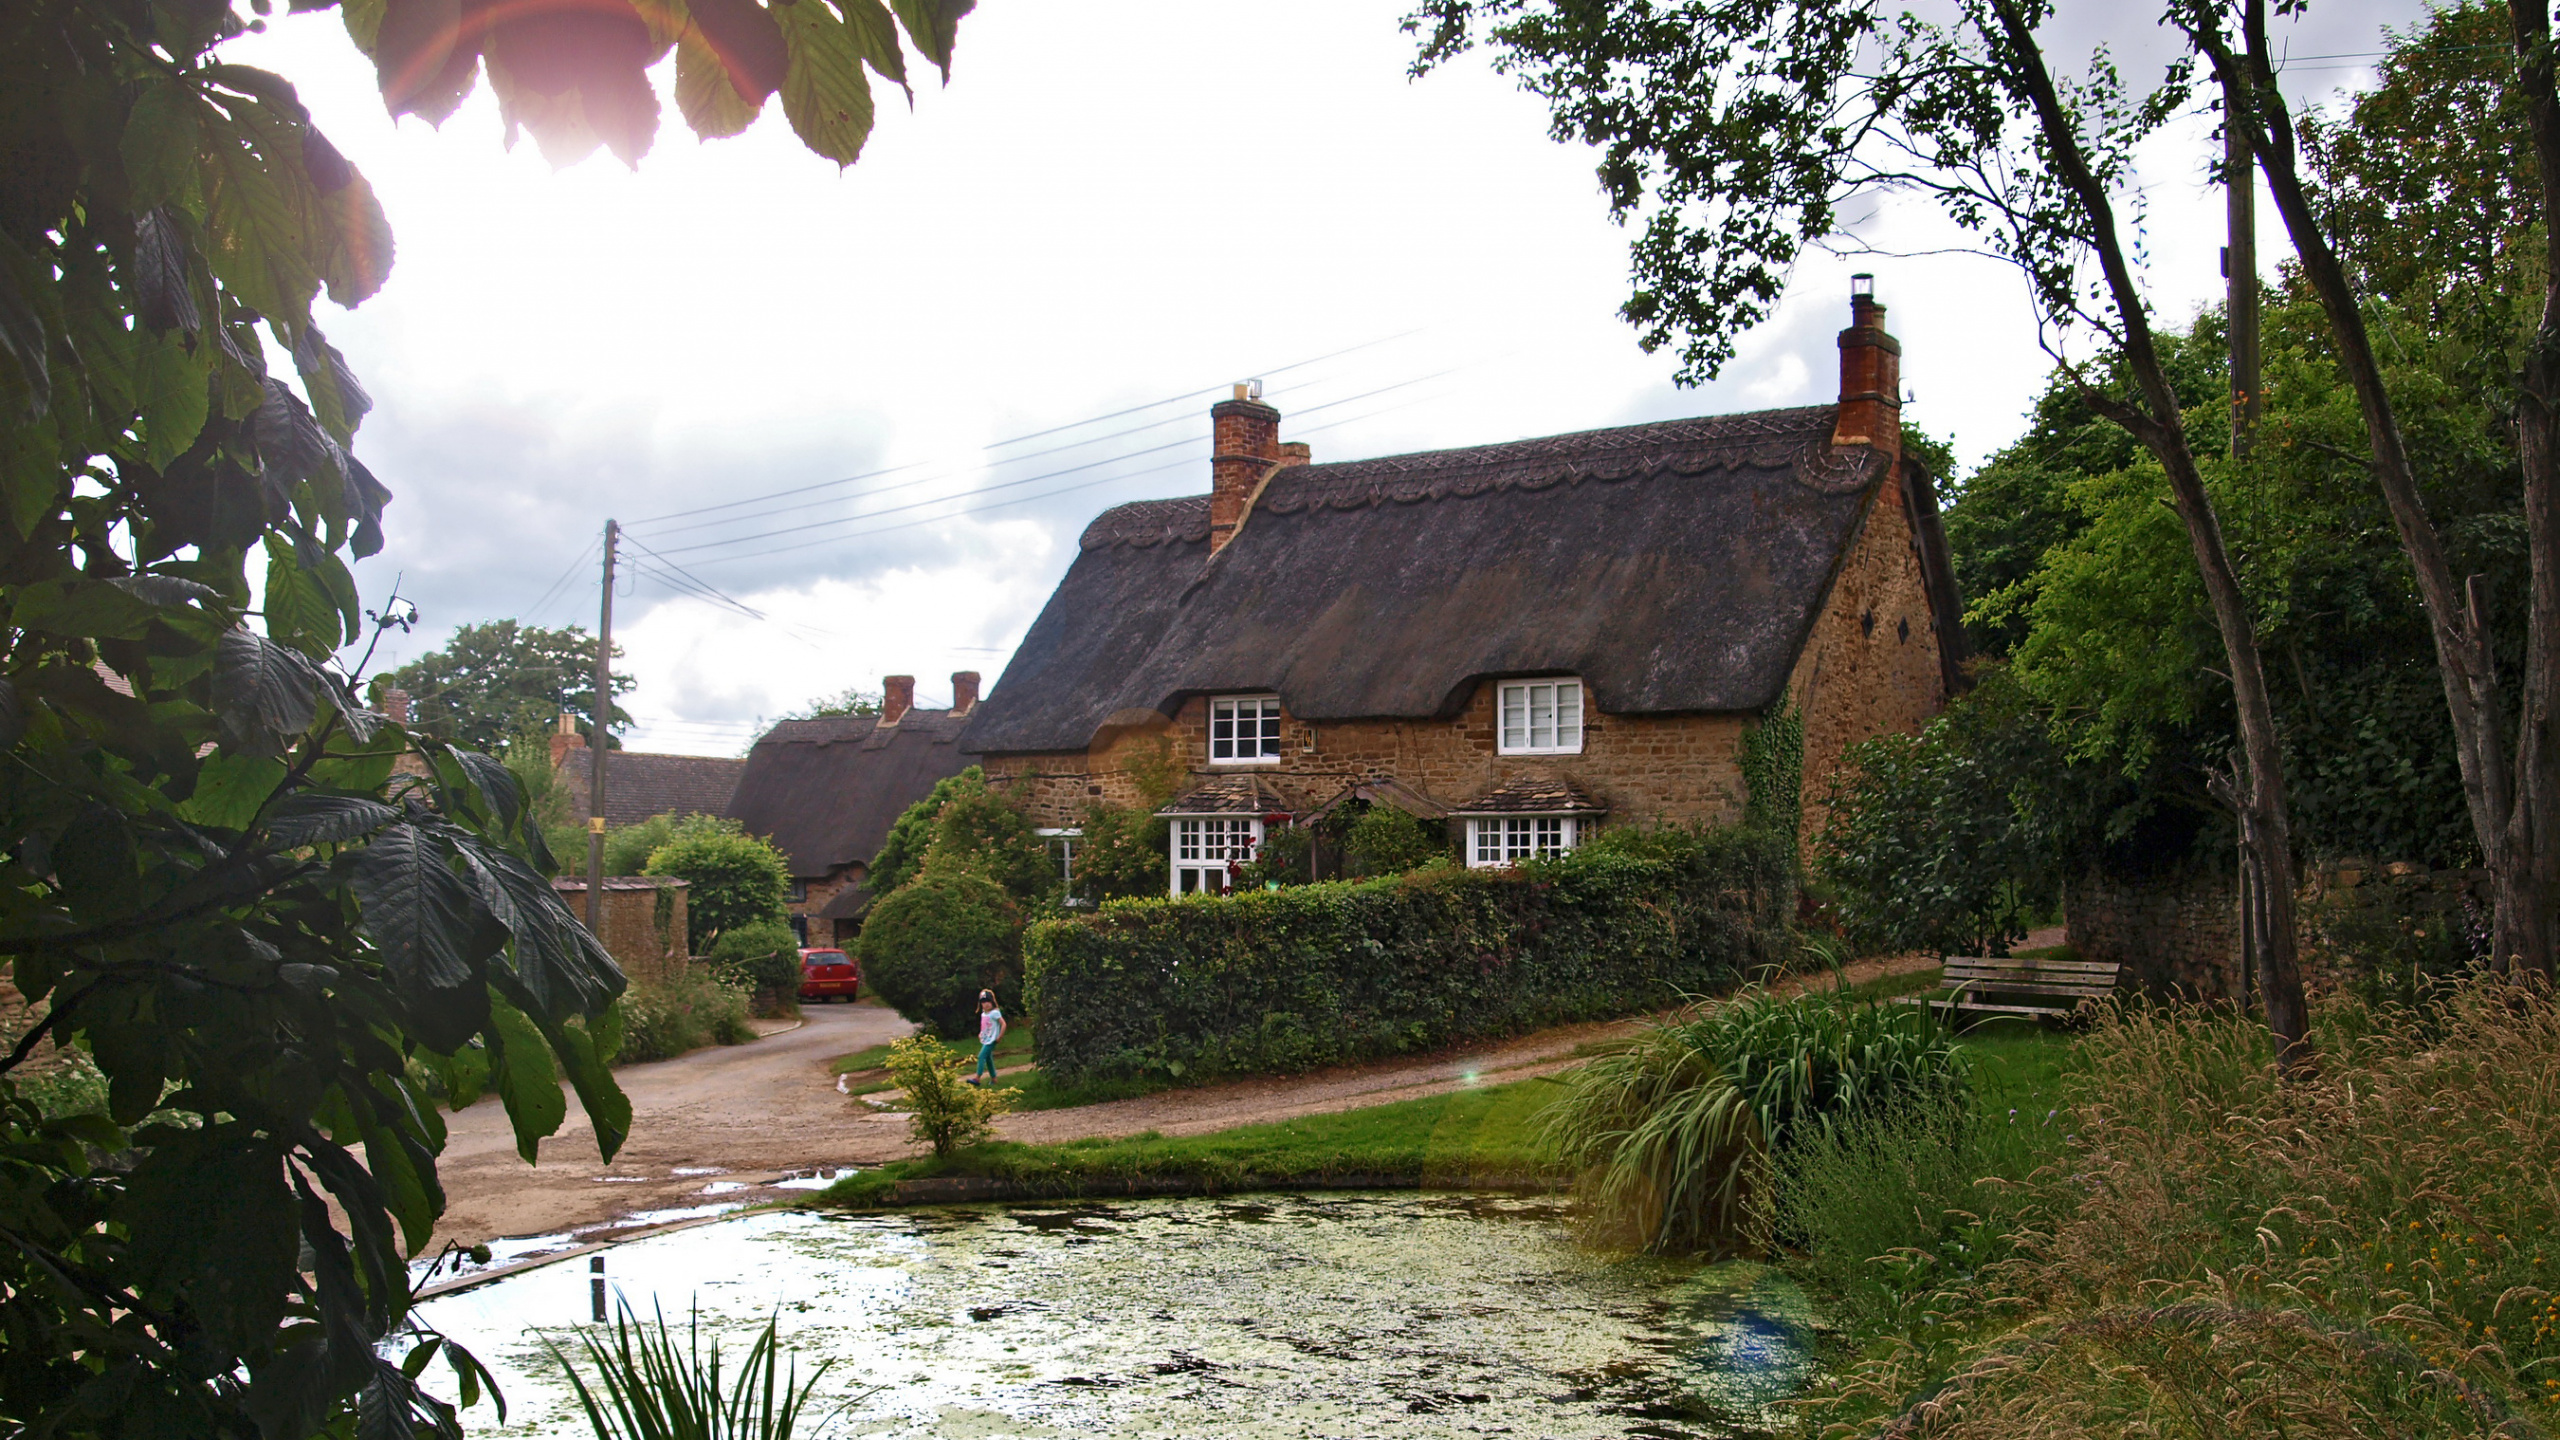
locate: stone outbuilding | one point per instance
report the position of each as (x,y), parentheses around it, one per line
(1525,640)
(826,791)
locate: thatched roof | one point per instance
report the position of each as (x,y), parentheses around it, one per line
(1675,567)
(639,784)
(827,791)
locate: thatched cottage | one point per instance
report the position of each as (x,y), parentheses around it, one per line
(1527,639)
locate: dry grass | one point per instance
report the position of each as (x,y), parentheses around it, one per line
(2367,1254)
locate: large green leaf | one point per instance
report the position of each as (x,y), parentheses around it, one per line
(877,33)
(355,249)
(262,691)
(171,394)
(163,146)
(426,922)
(209,1221)
(163,287)
(520,1071)
(299,611)
(25,377)
(712,106)
(935,27)
(257,238)
(229,790)
(564,969)
(310,817)
(825,93)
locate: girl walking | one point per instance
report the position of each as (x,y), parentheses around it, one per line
(990,1030)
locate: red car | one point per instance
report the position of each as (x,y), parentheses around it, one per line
(829,975)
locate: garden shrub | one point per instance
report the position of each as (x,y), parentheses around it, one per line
(1122,854)
(663,1019)
(732,878)
(1683,1140)
(764,957)
(1312,975)
(1387,841)
(946,1111)
(932,944)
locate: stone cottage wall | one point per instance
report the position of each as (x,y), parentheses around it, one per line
(1872,663)
(1645,768)
(644,932)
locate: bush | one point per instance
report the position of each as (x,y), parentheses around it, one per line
(663,1019)
(763,957)
(1681,1140)
(1121,855)
(1387,841)
(1326,974)
(947,1111)
(932,944)
(733,879)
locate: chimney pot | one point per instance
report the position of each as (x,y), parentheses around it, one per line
(1870,375)
(964,691)
(897,697)
(565,739)
(1296,452)
(1244,445)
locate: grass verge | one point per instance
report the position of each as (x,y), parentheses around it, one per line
(1449,1140)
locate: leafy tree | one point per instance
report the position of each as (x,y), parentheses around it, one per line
(733,879)
(216,886)
(982,831)
(546,800)
(1954,839)
(1383,840)
(1741,129)
(494,681)
(902,850)
(929,946)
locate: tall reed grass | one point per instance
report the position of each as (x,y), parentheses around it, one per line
(651,1386)
(1676,1138)
(2221,1254)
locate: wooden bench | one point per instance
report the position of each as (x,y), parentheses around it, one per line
(1999,986)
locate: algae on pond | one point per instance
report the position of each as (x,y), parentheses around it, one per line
(1276,1315)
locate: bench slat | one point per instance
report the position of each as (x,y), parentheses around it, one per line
(2022,987)
(2014,962)
(2006,1009)
(2058,977)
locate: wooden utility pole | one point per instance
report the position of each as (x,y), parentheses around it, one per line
(2240,265)
(598,731)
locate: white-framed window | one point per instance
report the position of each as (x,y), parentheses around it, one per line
(1062,846)
(1205,846)
(1244,729)
(1510,839)
(1539,717)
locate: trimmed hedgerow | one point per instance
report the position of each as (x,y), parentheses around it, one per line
(1311,975)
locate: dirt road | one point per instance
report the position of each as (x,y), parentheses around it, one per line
(716,1117)
(719,1126)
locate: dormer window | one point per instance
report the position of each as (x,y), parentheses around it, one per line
(1244,729)
(1539,717)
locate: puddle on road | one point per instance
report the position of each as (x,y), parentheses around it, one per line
(1316,1316)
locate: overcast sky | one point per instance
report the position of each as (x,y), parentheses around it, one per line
(1110,206)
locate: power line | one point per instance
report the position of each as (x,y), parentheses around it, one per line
(1025,480)
(554,587)
(1211,390)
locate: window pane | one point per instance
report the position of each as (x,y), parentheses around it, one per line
(1222,730)
(1542,717)
(1569,715)
(1515,716)
(1270,727)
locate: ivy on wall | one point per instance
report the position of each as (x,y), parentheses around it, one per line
(1773,770)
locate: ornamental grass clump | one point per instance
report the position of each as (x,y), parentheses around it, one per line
(1679,1140)
(946,1111)
(651,1386)
(2370,1251)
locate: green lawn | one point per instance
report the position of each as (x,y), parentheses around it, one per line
(1447,1140)
(1013,1049)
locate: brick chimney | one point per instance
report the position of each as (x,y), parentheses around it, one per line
(897,697)
(565,739)
(395,705)
(1870,375)
(964,691)
(1245,441)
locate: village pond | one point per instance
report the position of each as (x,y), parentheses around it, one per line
(1267,1315)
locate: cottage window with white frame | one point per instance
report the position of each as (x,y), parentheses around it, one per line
(1539,717)
(1244,729)
(1204,846)
(1509,839)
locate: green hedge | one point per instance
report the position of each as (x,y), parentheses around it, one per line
(1291,979)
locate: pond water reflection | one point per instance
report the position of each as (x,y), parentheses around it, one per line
(1276,1315)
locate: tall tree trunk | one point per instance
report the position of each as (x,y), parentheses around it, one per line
(2506,792)
(2256,792)
(2533,821)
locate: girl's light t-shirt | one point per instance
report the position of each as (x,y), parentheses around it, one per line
(990,1025)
